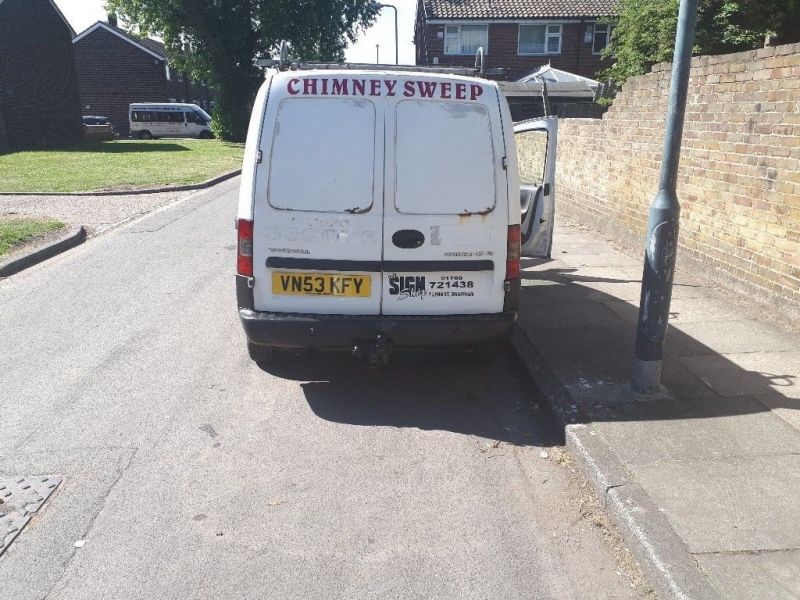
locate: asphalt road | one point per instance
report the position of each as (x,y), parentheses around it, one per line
(192,473)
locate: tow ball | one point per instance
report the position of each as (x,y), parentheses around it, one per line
(373,354)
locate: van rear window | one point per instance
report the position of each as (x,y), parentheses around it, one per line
(444,158)
(323,155)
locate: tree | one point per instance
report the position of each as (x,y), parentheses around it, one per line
(645,31)
(218,41)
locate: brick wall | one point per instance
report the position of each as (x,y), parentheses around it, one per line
(38,91)
(575,57)
(739,182)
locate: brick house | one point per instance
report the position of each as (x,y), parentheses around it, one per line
(518,36)
(116,68)
(39,104)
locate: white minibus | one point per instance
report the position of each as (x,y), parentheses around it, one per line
(148,121)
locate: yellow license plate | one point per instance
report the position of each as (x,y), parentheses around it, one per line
(321,284)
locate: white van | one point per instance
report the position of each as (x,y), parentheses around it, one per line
(148,121)
(380,209)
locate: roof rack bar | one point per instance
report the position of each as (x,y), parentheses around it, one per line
(283,63)
(302,66)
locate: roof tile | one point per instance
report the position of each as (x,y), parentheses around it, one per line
(517,9)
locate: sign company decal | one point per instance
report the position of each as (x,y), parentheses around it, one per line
(325,86)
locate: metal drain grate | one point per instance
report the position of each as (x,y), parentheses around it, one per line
(20,498)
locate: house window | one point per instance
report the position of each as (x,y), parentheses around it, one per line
(539,39)
(466,39)
(601,37)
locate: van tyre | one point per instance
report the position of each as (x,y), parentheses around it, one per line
(145,135)
(261,355)
(206,135)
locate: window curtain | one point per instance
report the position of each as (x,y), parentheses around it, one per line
(473,37)
(532,39)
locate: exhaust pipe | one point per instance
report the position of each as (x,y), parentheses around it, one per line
(373,354)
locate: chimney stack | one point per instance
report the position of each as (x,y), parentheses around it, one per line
(112,19)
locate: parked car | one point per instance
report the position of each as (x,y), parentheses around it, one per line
(148,121)
(98,128)
(380,210)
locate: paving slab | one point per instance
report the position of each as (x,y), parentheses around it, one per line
(705,428)
(683,309)
(596,259)
(581,246)
(750,374)
(746,576)
(682,382)
(786,408)
(732,504)
(591,358)
(726,337)
(581,315)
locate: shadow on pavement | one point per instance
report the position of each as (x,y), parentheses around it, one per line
(429,391)
(587,337)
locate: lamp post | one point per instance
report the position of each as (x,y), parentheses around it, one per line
(396,37)
(661,243)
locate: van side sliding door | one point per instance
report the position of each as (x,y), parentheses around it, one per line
(536,142)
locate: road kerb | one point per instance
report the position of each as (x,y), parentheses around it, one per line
(156,190)
(74,237)
(663,556)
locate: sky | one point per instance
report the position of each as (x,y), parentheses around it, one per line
(83,13)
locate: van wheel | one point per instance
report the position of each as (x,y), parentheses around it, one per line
(145,135)
(261,354)
(206,135)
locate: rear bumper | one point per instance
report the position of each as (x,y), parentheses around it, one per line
(329,332)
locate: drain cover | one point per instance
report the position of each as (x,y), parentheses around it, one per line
(20,497)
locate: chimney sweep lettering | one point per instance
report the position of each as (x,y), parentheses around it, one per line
(313,86)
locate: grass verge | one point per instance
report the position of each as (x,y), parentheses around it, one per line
(120,164)
(14,232)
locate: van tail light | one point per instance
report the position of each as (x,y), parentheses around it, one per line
(512,256)
(244,247)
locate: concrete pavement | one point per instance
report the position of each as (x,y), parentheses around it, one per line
(191,473)
(705,479)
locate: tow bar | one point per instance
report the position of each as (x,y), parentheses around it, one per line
(373,354)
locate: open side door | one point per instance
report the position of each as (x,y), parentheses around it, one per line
(536,154)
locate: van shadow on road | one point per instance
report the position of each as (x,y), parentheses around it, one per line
(428,391)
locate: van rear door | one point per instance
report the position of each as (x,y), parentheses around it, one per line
(445,201)
(536,159)
(318,204)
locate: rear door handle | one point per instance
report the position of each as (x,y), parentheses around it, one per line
(408,238)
